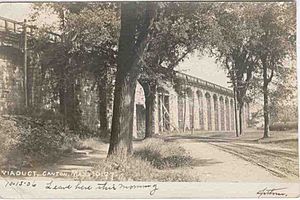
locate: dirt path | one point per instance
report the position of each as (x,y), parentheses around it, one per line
(80,161)
(217,165)
(84,159)
(277,155)
(281,162)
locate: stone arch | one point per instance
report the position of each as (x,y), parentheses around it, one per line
(216,112)
(139,114)
(232,114)
(227,114)
(190,101)
(200,105)
(209,111)
(163,109)
(222,113)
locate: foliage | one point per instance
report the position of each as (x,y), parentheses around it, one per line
(254,48)
(233,46)
(178,30)
(275,43)
(88,46)
(117,168)
(9,136)
(283,126)
(276,35)
(283,96)
(242,42)
(89,33)
(151,161)
(44,140)
(163,155)
(34,141)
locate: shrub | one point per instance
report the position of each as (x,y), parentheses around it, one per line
(116,168)
(45,141)
(163,155)
(82,131)
(283,126)
(35,141)
(9,135)
(153,160)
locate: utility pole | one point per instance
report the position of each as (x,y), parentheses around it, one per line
(25,64)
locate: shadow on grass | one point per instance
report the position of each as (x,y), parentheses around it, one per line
(157,160)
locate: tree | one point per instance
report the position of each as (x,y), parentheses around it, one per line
(59,59)
(136,20)
(95,31)
(90,33)
(275,45)
(232,45)
(283,95)
(172,41)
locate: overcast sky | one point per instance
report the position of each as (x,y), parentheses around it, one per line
(204,67)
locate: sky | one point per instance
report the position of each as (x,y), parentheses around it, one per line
(16,11)
(203,67)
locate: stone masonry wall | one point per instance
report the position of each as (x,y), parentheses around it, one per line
(11,87)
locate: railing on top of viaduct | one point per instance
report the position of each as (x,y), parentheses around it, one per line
(200,82)
(17,28)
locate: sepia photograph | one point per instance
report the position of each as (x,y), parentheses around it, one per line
(148,99)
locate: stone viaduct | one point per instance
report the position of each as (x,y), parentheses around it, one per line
(197,106)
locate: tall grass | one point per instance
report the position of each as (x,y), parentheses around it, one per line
(132,168)
(153,160)
(163,155)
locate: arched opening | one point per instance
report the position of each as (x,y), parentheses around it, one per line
(163,109)
(140,111)
(209,113)
(200,104)
(216,112)
(227,114)
(222,114)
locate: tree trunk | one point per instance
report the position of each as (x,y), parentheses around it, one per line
(61,93)
(132,44)
(266,101)
(103,101)
(235,114)
(72,104)
(126,77)
(68,101)
(150,94)
(184,112)
(122,121)
(241,119)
